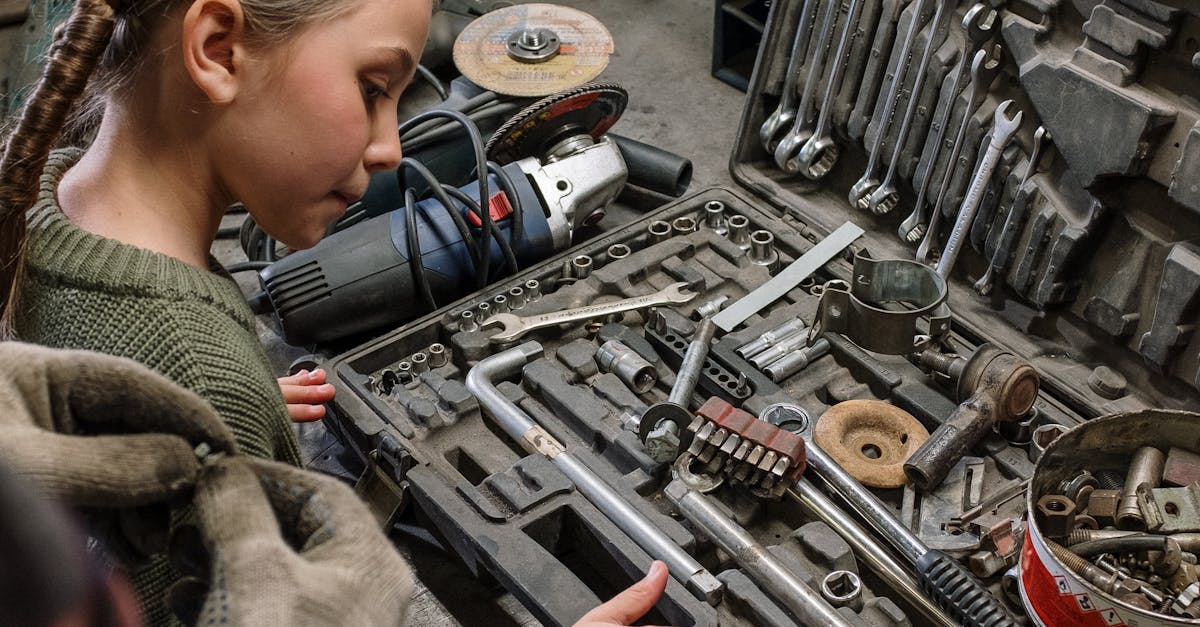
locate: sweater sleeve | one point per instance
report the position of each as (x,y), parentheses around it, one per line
(191,342)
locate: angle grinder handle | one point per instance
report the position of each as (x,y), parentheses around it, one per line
(959,593)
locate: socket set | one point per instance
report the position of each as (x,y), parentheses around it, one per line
(812,423)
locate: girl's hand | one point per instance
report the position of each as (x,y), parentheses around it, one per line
(630,605)
(306,394)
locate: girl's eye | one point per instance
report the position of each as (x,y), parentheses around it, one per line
(373,92)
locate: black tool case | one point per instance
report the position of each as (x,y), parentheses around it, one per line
(1097,290)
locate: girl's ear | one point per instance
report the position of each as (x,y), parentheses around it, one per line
(213,47)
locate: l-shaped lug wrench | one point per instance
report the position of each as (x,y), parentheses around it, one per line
(979,23)
(521,428)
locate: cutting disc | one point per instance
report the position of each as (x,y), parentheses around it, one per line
(533,49)
(589,109)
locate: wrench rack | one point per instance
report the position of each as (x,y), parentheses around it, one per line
(1077,255)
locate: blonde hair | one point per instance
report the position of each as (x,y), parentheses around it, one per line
(106,43)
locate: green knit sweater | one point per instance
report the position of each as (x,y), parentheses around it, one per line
(83,291)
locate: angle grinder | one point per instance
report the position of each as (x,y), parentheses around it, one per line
(562,172)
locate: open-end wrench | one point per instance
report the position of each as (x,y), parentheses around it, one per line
(802,126)
(820,152)
(1012,222)
(1004,128)
(783,115)
(884,198)
(866,184)
(979,23)
(516,326)
(984,68)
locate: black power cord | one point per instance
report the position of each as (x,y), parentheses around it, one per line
(260,247)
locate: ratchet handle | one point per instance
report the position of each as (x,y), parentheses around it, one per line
(959,593)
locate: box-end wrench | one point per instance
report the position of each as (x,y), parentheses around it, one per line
(885,198)
(1004,128)
(820,153)
(783,115)
(984,68)
(979,23)
(801,127)
(1015,218)
(867,183)
(514,327)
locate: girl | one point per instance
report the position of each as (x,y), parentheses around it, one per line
(284,105)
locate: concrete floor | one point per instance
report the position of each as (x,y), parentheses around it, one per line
(663,51)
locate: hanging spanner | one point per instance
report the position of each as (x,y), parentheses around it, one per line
(801,127)
(516,326)
(785,113)
(1004,128)
(984,68)
(884,199)
(979,23)
(820,153)
(866,184)
(1014,220)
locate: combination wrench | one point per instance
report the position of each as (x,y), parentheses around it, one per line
(1015,218)
(785,113)
(801,129)
(979,23)
(820,152)
(984,68)
(885,198)
(867,183)
(514,327)
(1004,128)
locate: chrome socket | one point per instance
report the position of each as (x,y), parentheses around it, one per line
(796,361)
(618,251)
(714,217)
(533,290)
(684,225)
(659,232)
(420,363)
(842,588)
(633,370)
(781,348)
(437,355)
(739,231)
(771,338)
(711,308)
(467,322)
(499,304)
(516,299)
(581,267)
(483,311)
(404,373)
(762,249)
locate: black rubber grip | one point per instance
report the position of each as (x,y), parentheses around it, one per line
(959,593)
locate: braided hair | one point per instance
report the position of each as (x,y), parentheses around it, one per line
(73,55)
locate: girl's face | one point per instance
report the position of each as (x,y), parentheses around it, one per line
(319,116)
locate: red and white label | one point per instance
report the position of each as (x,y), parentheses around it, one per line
(1056,597)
